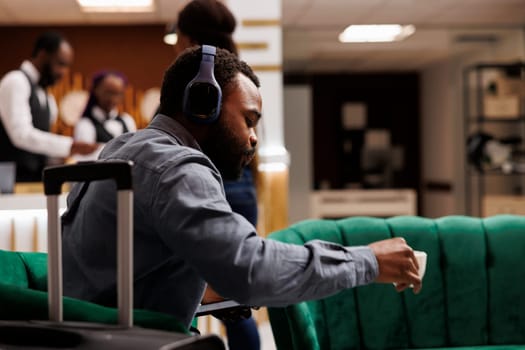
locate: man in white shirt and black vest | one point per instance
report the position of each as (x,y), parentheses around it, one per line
(27,110)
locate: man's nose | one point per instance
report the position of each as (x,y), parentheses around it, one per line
(253,138)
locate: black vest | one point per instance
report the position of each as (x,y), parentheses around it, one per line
(29,165)
(102,134)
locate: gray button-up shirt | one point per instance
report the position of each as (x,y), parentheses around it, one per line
(185,234)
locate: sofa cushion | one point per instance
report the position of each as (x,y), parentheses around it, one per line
(20,303)
(23,296)
(506,280)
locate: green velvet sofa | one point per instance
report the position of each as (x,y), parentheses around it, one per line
(23,296)
(473,291)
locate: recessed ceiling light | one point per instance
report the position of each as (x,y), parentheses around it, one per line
(170,38)
(116,5)
(376,33)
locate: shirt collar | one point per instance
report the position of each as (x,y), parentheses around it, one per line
(174,129)
(100,115)
(31,71)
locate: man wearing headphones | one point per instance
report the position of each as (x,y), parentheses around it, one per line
(186,234)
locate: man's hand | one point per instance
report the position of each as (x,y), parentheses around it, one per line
(397,264)
(83,148)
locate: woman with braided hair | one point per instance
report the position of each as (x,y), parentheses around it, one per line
(101,120)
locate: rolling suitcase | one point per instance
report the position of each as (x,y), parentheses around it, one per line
(56,333)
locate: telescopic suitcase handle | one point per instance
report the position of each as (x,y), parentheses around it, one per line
(54,177)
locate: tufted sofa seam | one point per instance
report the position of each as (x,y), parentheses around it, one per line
(402,295)
(443,266)
(488,258)
(354,294)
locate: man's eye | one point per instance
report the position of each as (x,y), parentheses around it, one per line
(250,123)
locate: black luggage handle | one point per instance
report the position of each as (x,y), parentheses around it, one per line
(54,177)
(119,170)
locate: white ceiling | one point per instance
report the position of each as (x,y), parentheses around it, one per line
(22,12)
(310,27)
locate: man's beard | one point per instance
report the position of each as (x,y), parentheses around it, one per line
(226,154)
(46,76)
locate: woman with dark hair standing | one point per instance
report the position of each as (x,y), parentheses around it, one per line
(101,120)
(210,22)
(207,22)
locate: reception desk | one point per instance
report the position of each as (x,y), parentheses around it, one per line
(23,217)
(333,204)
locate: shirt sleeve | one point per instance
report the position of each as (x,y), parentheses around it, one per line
(197,223)
(85,132)
(15,113)
(53,108)
(130,122)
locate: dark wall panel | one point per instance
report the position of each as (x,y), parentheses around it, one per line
(392,102)
(137,51)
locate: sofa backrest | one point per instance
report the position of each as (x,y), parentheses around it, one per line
(36,269)
(24,269)
(12,269)
(473,290)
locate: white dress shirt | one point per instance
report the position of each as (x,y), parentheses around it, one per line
(15,114)
(85,130)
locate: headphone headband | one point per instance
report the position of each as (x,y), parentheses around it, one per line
(209,50)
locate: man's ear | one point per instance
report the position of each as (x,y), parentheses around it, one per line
(96,91)
(41,56)
(99,86)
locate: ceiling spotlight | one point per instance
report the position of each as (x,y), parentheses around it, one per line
(170,37)
(116,5)
(375,33)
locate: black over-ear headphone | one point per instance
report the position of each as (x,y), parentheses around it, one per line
(202,95)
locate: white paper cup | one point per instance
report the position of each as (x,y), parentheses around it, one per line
(422,262)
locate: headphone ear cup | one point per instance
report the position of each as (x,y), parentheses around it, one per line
(203,95)
(202,102)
